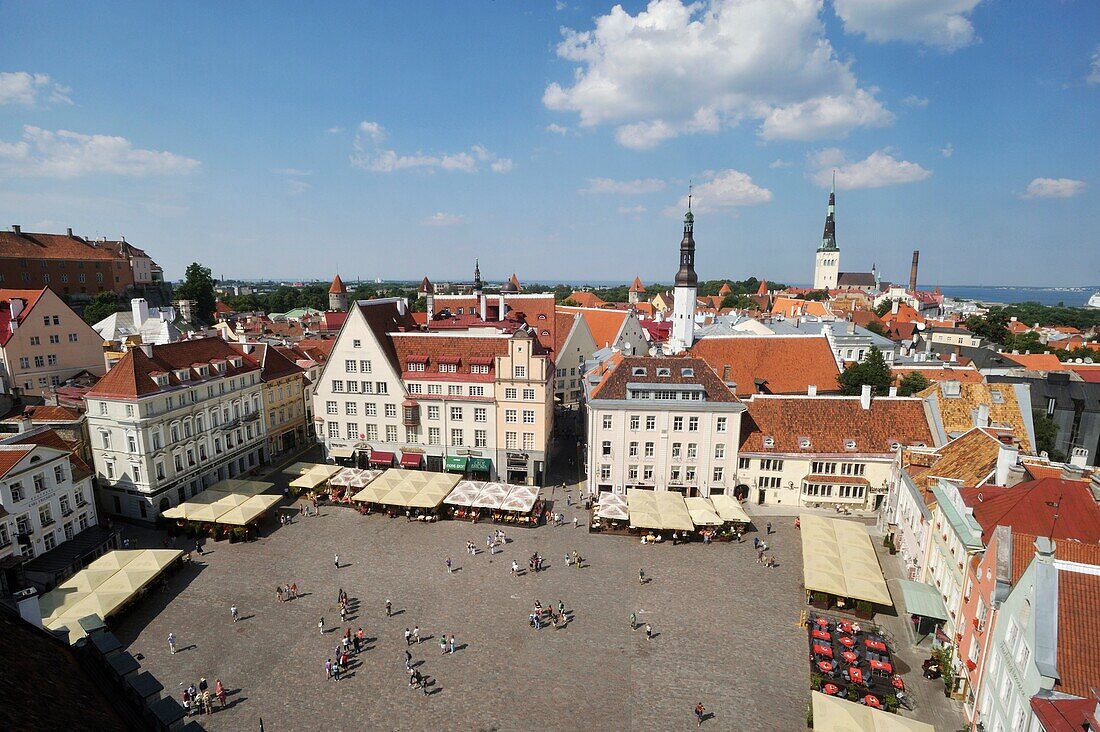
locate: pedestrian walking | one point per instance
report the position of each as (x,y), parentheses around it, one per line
(234,612)
(343,613)
(768,532)
(219,692)
(756,542)
(207,708)
(452,643)
(408,659)
(336,560)
(294,590)
(198,548)
(328,669)
(321,625)
(416,634)
(633,621)
(172,642)
(389,608)
(443,643)
(641,576)
(336,670)
(408,637)
(515,568)
(574,522)
(648,631)
(450,569)
(700,712)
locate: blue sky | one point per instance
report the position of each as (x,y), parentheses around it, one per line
(557,139)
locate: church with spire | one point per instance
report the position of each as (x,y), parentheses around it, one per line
(686,290)
(827,274)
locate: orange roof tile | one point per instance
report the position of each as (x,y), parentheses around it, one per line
(51,246)
(1078,632)
(132,376)
(965,374)
(586,299)
(830,422)
(615,379)
(787,364)
(1036,361)
(433,350)
(10,457)
(969,458)
(637,285)
(604,324)
(1060,509)
(337,287)
(791,307)
(50,438)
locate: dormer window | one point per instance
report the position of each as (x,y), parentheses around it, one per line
(639,371)
(769,441)
(894,446)
(687,373)
(161,379)
(182,374)
(664,372)
(998,396)
(237,362)
(204,371)
(542,316)
(849,444)
(804,443)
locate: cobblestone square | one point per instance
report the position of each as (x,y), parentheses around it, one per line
(725,630)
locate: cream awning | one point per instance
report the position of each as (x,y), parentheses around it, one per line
(314,476)
(408,488)
(354,477)
(838,558)
(702,512)
(832,714)
(113,580)
(521,498)
(342,452)
(658,510)
(729,508)
(227,499)
(612,506)
(492,496)
(249,511)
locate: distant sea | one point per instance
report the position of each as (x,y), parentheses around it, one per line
(1075,297)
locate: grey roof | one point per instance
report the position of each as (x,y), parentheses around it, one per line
(157,330)
(856,279)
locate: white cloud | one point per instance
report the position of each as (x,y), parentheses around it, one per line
(720,191)
(638,209)
(334,130)
(940,23)
(877,170)
(64,154)
(1094,68)
(557,129)
(673,70)
(779,163)
(914,101)
(559,6)
(19,87)
(368,155)
(635,187)
(827,158)
(947,150)
(1054,188)
(441,218)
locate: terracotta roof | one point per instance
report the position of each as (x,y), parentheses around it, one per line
(132,376)
(51,246)
(614,381)
(906,314)
(830,422)
(30,296)
(604,324)
(337,287)
(791,307)
(1078,632)
(787,364)
(969,458)
(383,318)
(637,286)
(937,372)
(586,299)
(725,289)
(220,308)
(42,413)
(1023,551)
(432,350)
(1066,714)
(763,289)
(1036,361)
(10,457)
(957,412)
(333,320)
(50,438)
(864,318)
(427,287)
(273,364)
(563,323)
(1059,509)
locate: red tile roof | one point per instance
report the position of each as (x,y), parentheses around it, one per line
(791,307)
(432,350)
(1036,361)
(1066,714)
(1060,509)
(337,287)
(586,299)
(49,438)
(787,364)
(614,380)
(42,413)
(537,311)
(314,346)
(937,373)
(830,421)
(51,246)
(10,457)
(1078,632)
(30,297)
(333,320)
(604,324)
(132,376)
(563,324)
(273,364)
(1023,551)
(637,286)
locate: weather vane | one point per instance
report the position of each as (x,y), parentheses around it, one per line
(691,188)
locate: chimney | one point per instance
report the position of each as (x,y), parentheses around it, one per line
(894,306)
(726,368)
(29,609)
(1006,459)
(184,307)
(147,348)
(481,306)
(501,307)
(16,229)
(25,424)
(811,390)
(1044,549)
(1016,475)
(865,397)
(893,391)
(402,306)
(139,306)
(981,419)
(16,305)
(1079,457)
(913,271)
(69,232)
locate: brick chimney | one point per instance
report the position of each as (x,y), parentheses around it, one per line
(865,397)
(913,271)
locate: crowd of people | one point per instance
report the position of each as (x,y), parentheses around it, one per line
(200,700)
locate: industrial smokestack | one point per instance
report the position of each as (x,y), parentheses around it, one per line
(913,271)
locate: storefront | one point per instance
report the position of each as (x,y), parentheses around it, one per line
(456,464)
(480,468)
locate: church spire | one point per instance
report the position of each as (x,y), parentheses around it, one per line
(477,276)
(828,237)
(686,276)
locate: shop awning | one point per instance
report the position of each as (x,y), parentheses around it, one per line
(729,508)
(833,714)
(920,599)
(658,510)
(411,459)
(702,512)
(481,465)
(381,457)
(612,506)
(342,453)
(455,463)
(839,559)
(314,475)
(408,488)
(521,498)
(465,493)
(249,511)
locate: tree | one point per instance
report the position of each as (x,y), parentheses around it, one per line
(740,302)
(873,371)
(1046,435)
(816,295)
(884,307)
(198,285)
(570,303)
(992,326)
(100,306)
(1028,342)
(911,383)
(876,327)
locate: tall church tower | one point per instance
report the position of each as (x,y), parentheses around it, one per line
(827,264)
(686,291)
(338,295)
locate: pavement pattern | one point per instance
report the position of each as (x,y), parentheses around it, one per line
(725,629)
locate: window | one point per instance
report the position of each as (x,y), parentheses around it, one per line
(635,422)
(605,448)
(822,468)
(510,393)
(479,368)
(391,411)
(649,450)
(372,432)
(55,338)
(477,391)
(412,435)
(49,541)
(633,449)
(131,443)
(433,412)
(519,372)
(382,387)
(456,413)
(157,439)
(605,472)
(353,388)
(25,363)
(39,481)
(129,410)
(331,408)
(632,472)
(528,440)
(391,433)
(17,494)
(45,515)
(529,394)
(105,437)
(719,451)
(743,463)
(693,424)
(607,421)
(433,436)
(416,389)
(370,409)
(337,385)
(352,431)
(717,476)
(852,468)
(448,368)
(510,440)
(364,366)
(481,438)
(650,422)
(677,424)
(773,465)
(416,366)
(454,390)
(511,416)
(72,336)
(368,387)
(456,437)
(435,389)
(350,408)
(528,416)
(102,408)
(356,343)
(481,414)
(772,482)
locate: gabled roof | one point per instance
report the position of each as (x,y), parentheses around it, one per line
(1036,361)
(459,350)
(791,307)
(273,364)
(957,408)
(1059,509)
(49,438)
(856,279)
(563,324)
(606,325)
(427,287)
(788,365)
(586,299)
(682,370)
(637,285)
(384,317)
(11,455)
(1065,713)
(337,287)
(969,459)
(725,289)
(51,246)
(133,375)
(42,413)
(829,422)
(30,296)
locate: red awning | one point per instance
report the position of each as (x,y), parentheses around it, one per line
(381,457)
(416,358)
(411,459)
(448,359)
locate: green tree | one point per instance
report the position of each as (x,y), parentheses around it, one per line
(816,295)
(570,303)
(911,383)
(992,326)
(1046,435)
(1025,343)
(738,301)
(873,370)
(198,285)
(884,307)
(100,306)
(876,327)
